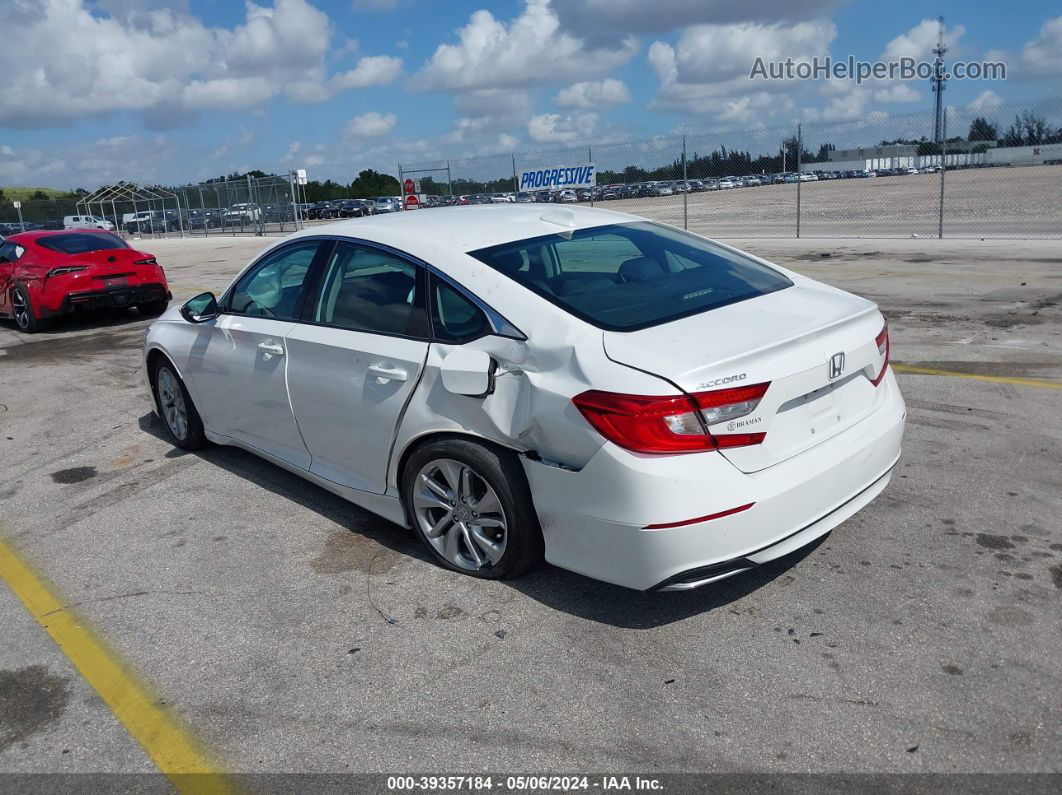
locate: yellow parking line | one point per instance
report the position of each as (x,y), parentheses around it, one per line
(996,379)
(169,744)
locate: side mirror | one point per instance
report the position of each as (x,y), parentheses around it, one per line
(200,309)
(468,372)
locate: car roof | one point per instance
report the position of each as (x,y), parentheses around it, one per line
(31,236)
(466,228)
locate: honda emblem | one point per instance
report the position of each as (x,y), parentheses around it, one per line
(835,366)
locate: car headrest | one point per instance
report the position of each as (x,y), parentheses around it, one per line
(641,269)
(510,261)
(584,285)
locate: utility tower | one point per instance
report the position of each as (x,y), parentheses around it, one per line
(938,84)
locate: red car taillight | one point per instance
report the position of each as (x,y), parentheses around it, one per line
(65,269)
(665,425)
(883,350)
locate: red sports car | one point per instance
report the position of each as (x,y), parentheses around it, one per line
(47,274)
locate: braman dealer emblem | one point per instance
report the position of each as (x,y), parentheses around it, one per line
(835,366)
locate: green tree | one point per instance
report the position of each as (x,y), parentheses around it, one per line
(373,183)
(982,130)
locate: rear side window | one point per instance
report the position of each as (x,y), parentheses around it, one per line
(80,243)
(9,252)
(365,289)
(453,317)
(625,277)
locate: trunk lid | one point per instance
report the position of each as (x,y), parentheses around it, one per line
(110,265)
(788,338)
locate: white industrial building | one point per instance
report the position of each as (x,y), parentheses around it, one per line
(873,158)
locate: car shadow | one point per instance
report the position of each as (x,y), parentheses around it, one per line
(285,484)
(85,320)
(556,588)
(621,607)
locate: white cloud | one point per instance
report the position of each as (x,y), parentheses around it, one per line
(1043,55)
(659,16)
(371,124)
(227,93)
(530,50)
(919,41)
(897,92)
(89,164)
(707,70)
(552,128)
(70,60)
(293,149)
(588,94)
(307,92)
(373,70)
(986,101)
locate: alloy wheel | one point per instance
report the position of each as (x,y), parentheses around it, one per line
(171,400)
(21,308)
(460,514)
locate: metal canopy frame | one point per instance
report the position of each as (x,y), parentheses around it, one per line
(139,197)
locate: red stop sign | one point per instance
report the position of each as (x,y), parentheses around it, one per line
(408,186)
(412,202)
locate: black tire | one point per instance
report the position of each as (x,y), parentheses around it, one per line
(153,308)
(193,437)
(502,471)
(27,320)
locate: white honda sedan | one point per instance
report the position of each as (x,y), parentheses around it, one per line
(625,399)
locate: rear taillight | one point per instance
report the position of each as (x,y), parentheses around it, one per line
(664,425)
(148,261)
(66,269)
(882,341)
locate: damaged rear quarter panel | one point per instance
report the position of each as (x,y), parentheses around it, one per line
(530,407)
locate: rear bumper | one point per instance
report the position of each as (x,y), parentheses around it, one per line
(594,520)
(110,297)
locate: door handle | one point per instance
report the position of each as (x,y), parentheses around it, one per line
(271,348)
(388,373)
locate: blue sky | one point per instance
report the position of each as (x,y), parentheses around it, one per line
(154,90)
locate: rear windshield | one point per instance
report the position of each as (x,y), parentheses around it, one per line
(625,277)
(80,243)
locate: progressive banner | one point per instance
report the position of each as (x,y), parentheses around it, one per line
(558,178)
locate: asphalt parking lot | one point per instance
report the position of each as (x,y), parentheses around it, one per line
(291,631)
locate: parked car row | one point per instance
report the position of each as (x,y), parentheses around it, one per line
(352,208)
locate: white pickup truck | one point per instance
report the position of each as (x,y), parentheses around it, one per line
(242,215)
(86,222)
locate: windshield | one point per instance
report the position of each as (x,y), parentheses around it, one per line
(625,277)
(80,243)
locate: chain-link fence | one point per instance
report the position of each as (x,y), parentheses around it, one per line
(997,172)
(245,206)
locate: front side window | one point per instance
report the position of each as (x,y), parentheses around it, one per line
(81,242)
(625,277)
(273,287)
(365,289)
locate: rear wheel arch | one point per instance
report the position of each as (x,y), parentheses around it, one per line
(491,462)
(442,436)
